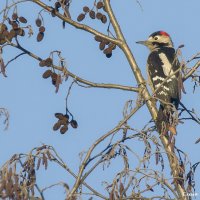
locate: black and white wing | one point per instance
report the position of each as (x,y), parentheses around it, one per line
(161,64)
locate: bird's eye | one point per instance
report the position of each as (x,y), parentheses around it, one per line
(156,38)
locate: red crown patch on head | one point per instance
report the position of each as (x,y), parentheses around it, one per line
(164,33)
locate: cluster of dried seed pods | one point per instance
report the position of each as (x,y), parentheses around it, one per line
(40,35)
(50,73)
(53,75)
(105,46)
(16,30)
(93,15)
(63,123)
(46,63)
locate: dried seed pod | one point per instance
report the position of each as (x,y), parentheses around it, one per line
(81,17)
(47,74)
(23,20)
(12,33)
(20,32)
(15,25)
(67,116)
(57,6)
(38,22)
(63,122)
(5,33)
(63,129)
(112,46)
(107,50)
(92,14)
(2,41)
(106,42)
(98,38)
(74,123)
(99,15)
(59,116)
(102,45)
(53,12)
(100,5)
(48,62)
(40,36)
(14,16)
(42,29)
(3,27)
(108,55)
(86,9)
(56,126)
(104,19)
(42,63)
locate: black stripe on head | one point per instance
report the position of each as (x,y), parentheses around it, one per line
(159,33)
(160,44)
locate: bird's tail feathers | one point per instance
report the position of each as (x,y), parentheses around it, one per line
(166,120)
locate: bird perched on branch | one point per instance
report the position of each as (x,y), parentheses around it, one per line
(164,72)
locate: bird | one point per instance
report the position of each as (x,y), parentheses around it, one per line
(165,79)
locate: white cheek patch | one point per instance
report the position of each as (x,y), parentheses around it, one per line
(167,67)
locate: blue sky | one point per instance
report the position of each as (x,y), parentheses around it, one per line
(32,102)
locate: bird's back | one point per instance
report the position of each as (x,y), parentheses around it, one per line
(161,64)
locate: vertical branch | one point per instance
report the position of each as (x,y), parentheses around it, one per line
(173,160)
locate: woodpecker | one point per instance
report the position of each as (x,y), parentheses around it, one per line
(163,69)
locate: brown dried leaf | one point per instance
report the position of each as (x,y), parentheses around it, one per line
(121,188)
(58,82)
(172,129)
(2,67)
(112,196)
(48,155)
(38,163)
(44,161)
(157,157)
(10,173)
